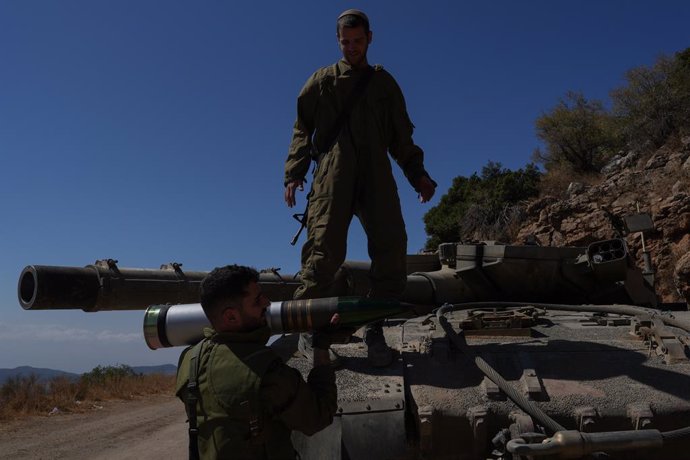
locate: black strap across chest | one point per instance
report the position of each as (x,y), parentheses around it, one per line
(350,101)
(192,399)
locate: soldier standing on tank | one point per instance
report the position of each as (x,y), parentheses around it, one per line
(353,174)
(242,401)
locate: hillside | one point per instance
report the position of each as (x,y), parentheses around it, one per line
(45,375)
(658,181)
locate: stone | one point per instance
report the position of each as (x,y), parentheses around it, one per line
(658,182)
(681,277)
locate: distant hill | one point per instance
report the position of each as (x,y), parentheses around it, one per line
(48,374)
(166,369)
(42,373)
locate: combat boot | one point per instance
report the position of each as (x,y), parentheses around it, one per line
(379,354)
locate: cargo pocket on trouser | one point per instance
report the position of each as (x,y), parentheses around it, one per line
(321,170)
(327,236)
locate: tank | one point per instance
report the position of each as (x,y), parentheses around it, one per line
(501,351)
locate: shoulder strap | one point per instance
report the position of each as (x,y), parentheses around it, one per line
(350,102)
(192,399)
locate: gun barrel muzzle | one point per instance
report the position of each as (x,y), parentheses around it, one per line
(44,287)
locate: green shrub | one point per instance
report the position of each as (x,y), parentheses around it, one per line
(578,134)
(655,102)
(482,206)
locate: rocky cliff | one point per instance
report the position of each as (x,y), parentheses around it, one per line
(659,182)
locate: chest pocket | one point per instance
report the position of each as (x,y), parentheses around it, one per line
(231,381)
(234,384)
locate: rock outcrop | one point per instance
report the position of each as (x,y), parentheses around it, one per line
(681,277)
(659,183)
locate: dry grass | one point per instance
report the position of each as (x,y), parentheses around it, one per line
(24,396)
(482,224)
(555,181)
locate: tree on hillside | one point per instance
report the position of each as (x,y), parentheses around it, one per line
(481,206)
(578,134)
(655,102)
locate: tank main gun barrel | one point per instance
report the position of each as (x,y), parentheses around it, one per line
(175,325)
(105,286)
(600,273)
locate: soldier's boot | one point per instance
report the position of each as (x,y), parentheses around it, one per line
(379,354)
(306,349)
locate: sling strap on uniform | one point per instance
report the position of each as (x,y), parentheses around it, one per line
(192,398)
(332,136)
(349,104)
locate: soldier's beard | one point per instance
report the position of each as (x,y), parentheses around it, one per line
(357,59)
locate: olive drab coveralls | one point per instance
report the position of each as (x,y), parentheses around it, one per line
(249,400)
(353,175)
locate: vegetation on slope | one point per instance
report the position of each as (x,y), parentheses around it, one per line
(22,396)
(580,136)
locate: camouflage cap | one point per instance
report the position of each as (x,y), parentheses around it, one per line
(354,12)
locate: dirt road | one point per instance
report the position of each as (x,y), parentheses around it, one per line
(154,428)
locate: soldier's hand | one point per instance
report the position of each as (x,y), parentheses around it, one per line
(426,188)
(335,321)
(325,337)
(290,191)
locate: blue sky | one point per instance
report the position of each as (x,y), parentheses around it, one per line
(156,131)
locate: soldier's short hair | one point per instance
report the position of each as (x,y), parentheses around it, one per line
(352,19)
(225,285)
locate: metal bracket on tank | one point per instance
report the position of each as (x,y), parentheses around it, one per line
(656,333)
(426,417)
(607,319)
(493,322)
(112,277)
(531,384)
(108,264)
(639,324)
(174,266)
(586,418)
(478,416)
(274,271)
(640,415)
(667,343)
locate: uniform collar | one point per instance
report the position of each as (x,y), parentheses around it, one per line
(345,68)
(259,336)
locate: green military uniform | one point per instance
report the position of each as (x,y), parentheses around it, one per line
(250,400)
(354,175)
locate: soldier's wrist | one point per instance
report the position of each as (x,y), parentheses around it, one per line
(321,357)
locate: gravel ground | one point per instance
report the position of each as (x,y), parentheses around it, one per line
(154,428)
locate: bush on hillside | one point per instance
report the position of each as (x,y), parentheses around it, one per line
(655,102)
(481,206)
(21,396)
(578,134)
